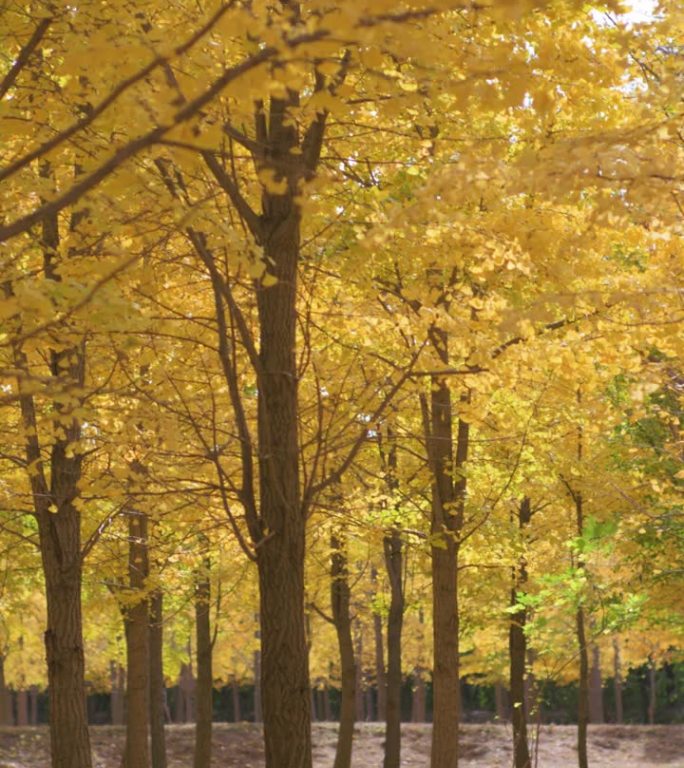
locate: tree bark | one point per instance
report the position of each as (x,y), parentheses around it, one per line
(285,682)
(185,708)
(235,693)
(33,705)
(340,599)
(59,528)
(258,714)
(204,688)
(157,681)
(358,684)
(116,676)
(419,699)
(501,702)
(394,560)
(22,708)
(596,713)
(583,692)
(651,691)
(380,673)
(617,682)
(6,716)
(517,646)
(448,501)
(137,626)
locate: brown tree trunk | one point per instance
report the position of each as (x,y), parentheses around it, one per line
(59,528)
(448,499)
(583,692)
(380,673)
(340,599)
(419,699)
(22,708)
(157,681)
(501,702)
(596,714)
(617,682)
(6,716)
(517,646)
(258,714)
(186,689)
(33,705)
(394,561)
(60,549)
(327,711)
(651,691)
(137,626)
(284,658)
(204,688)
(116,676)
(235,692)
(358,684)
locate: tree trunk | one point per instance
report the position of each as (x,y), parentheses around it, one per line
(285,674)
(61,552)
(358,684)
(651,691)
(157,682)
(501,702)
(22,708)
(419,699)
(517,646)
(340,599)
(448,500)
(137,626)
(617,682)
(6,716)
(235,693)
(380,674)
(204,688)
(596,714)
(116,676)
(258,714)
(185,712)
(33,705)
(583,693)
(394,561)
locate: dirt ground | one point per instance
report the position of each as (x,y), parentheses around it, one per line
(484,746)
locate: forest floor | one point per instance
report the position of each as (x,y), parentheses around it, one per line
(484,746)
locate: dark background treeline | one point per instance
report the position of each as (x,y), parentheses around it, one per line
(481,703)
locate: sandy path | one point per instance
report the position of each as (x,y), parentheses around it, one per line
(484,746)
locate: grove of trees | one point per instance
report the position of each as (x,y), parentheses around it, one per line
(340,345)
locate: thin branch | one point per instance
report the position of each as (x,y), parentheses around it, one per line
(24,55)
